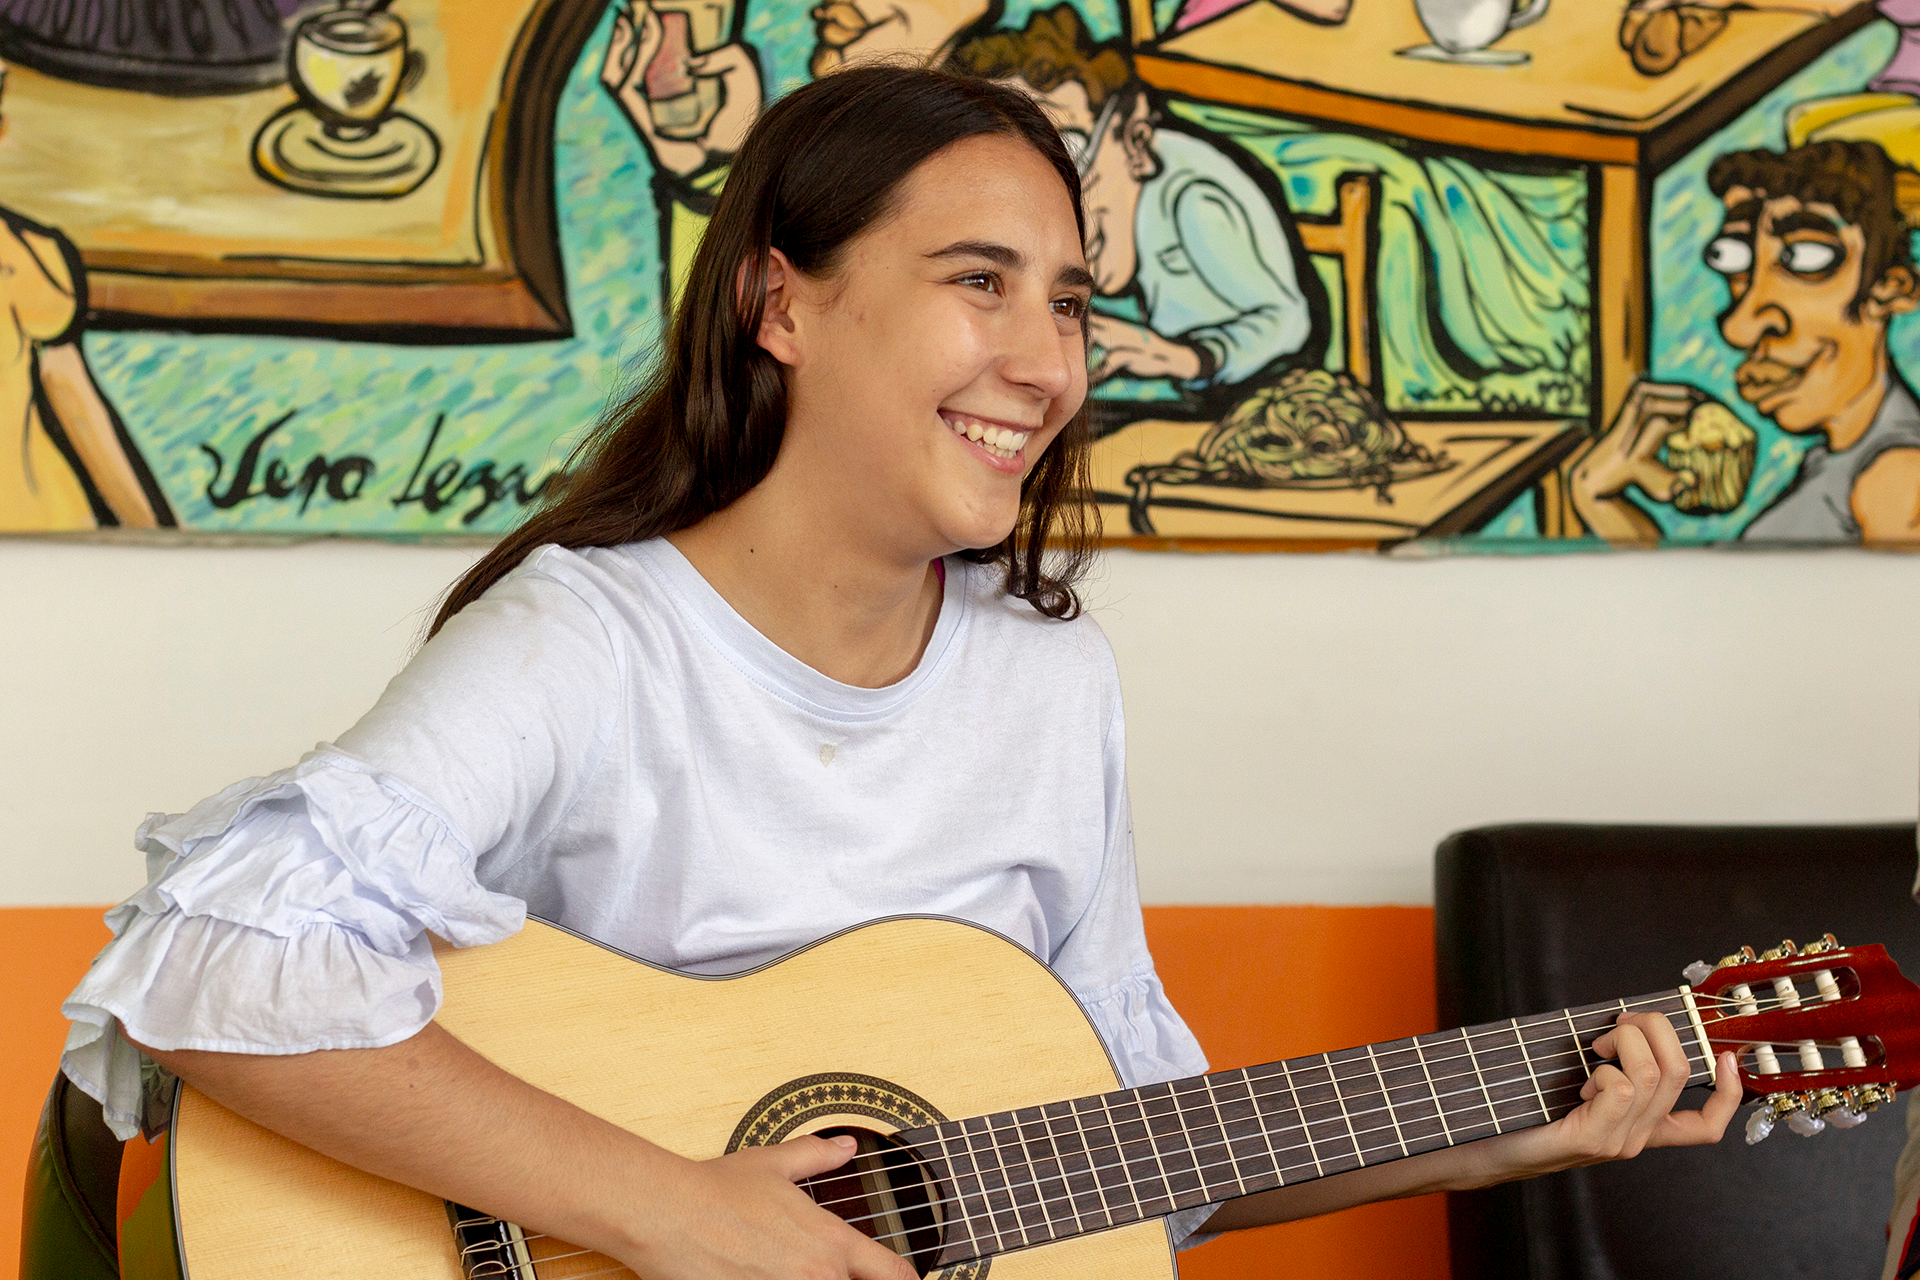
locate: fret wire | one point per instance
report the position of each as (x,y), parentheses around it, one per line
(1578,1044)
(1266,1130)
(1475,1059)
(1153,1152)
(1024,1156)
(1232,1159)
(1438,1110)
(1125,1177)
(1066,1178)
(1099,1187)
(953,1172)
(1059,1161)
(1333,1079)
(1306,1125)
(1038,1166)
(1154,1136)
(979,1177)
(1252,1137)
(1387,1099)
(1209,1118)
(997,1172)
(1521,1041)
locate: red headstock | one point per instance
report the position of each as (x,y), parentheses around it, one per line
(1823,1032)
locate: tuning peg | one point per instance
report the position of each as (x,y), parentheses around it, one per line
(1743,956)
(1803,1124)
(1775,1107)
(1696,973)
(1781,952)
(1827,943)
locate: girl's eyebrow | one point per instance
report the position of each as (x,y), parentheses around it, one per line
(1011,259)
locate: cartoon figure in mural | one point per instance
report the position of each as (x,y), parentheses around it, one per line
(653,66)
(1815,249)
(649,68)
(66,462)
(1174,221)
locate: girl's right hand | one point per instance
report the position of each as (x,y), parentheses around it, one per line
(740,1217)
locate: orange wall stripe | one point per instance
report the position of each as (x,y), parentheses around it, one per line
(47,950)
(1255,983)
(1261,983)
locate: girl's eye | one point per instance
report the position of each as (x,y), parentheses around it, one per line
(1070,308)
(981,280)
(1730,256)
(1809,257)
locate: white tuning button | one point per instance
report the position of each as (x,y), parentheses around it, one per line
(1803,1124)
(1789,998)
(1763,1056)
(1845,1117)
(1759,1125)
(1696,973)
(1850,1052)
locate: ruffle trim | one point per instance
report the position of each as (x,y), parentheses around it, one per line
(329,841)
(284,915)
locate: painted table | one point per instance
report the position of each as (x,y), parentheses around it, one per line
(1485,464)
(1578,98)
(177,227)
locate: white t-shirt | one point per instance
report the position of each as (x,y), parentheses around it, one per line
(602,741)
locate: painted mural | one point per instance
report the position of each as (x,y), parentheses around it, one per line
(1508,274)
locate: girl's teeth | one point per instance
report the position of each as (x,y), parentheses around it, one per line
(1002,442)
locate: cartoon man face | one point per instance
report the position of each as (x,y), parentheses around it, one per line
(1117,161)
(848,30)
(1813,336)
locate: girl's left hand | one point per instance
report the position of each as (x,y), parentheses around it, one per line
(1626,1107)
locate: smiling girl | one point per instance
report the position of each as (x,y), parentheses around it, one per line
(784,657)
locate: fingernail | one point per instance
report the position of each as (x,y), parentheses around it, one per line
(844,1142)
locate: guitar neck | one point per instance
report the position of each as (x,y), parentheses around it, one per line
(1026,1177)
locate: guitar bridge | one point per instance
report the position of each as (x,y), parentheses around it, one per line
(489,1248)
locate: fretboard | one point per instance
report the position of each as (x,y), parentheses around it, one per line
(1021,1178)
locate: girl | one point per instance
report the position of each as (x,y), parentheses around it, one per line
(784,657)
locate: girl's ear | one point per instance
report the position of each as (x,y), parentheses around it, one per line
(777,335)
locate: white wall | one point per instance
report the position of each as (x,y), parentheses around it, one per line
(1302,728)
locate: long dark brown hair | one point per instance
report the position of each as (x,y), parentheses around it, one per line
(705,424)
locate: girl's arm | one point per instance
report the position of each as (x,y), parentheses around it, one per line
(431,1113)
(1627,1108)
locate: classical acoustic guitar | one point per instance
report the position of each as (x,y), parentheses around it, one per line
(993,1131)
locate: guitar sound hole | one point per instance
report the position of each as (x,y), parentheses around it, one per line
(883,1192)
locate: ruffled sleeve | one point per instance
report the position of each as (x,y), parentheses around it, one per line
(291,913)
(283,915)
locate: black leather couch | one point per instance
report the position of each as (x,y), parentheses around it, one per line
(67,1229)
(1535,918)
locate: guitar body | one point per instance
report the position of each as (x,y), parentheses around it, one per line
(886,1027)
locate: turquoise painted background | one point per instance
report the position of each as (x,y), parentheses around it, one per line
(1484,305)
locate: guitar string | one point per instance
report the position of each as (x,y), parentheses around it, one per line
(1334,1080)
(1180,1112)
(1016,1207)
(969,1219)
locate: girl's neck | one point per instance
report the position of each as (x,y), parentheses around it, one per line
(857,615)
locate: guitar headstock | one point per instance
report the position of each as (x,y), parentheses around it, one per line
(1823,1033)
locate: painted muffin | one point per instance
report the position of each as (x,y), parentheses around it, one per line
(1714,454)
